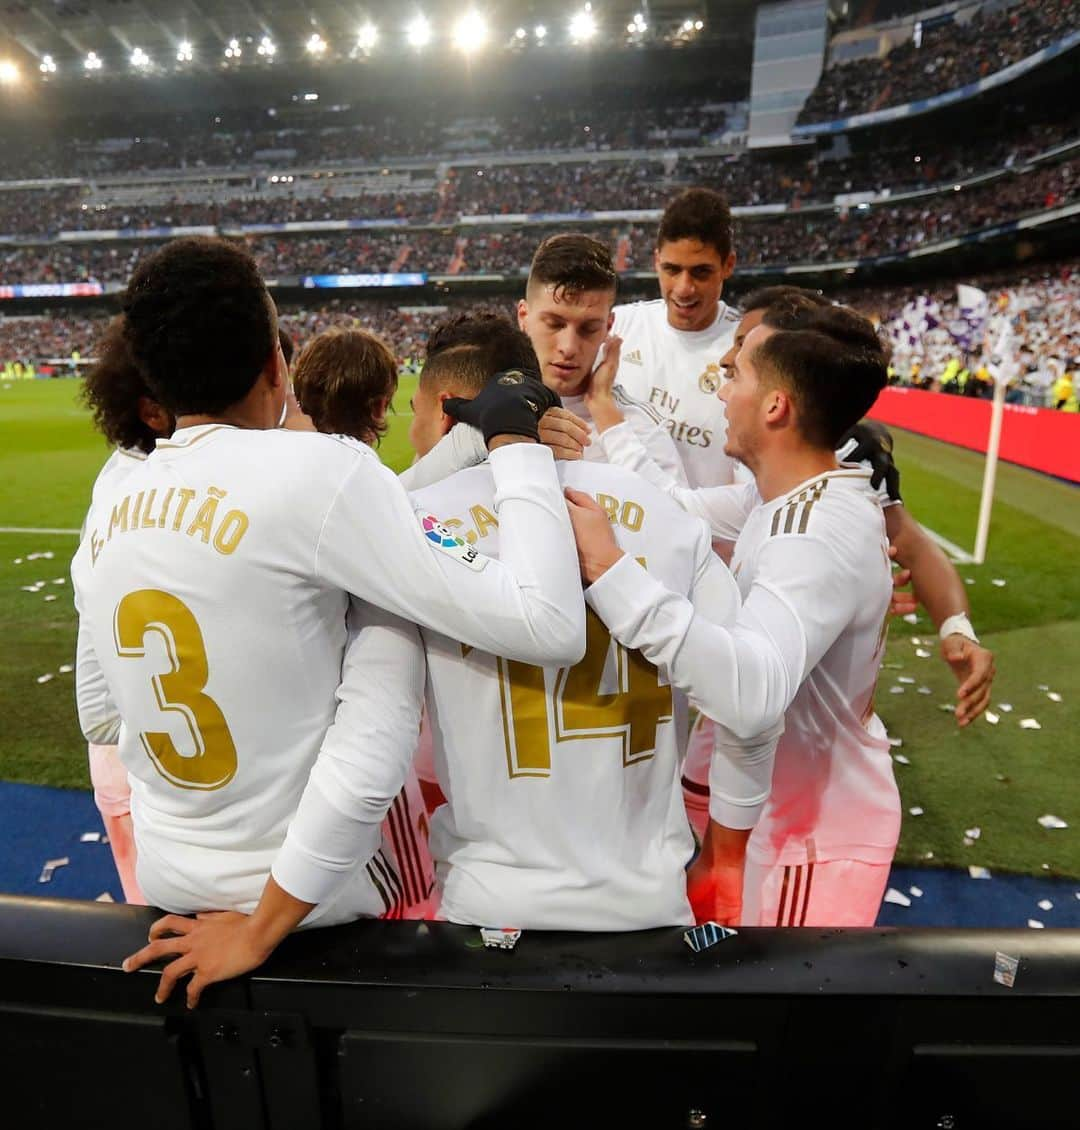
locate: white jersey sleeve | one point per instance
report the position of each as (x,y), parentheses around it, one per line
(99,718)
(647,426)
(725,508)
(364,757)
(528,605)
(462,446)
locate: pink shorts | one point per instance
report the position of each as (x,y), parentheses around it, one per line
(839,892)
(112,790)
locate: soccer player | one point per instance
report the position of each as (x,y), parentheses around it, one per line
(672,346)
(562,783)
(213,586)
(811,561)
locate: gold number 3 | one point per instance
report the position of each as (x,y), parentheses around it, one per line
(632,713)
(179,690)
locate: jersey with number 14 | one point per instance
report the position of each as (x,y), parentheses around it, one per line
(565,810)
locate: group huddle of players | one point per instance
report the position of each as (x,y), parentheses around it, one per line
(316,691)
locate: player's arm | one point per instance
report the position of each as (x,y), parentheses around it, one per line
(940,590)
(527,606)
(463,446)
(99,717)
(360,768)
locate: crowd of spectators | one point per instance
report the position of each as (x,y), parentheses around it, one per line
(945,57)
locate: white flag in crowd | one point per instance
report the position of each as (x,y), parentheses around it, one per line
(973,310)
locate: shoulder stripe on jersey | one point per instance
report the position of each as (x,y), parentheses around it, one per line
(394,900)
(627,401)
(795,513)
(404,833)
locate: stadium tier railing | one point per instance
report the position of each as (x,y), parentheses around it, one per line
(419,1025)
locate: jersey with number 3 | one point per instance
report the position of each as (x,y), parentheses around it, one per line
(564,807)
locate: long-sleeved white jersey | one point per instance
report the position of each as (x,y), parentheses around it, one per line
(677,373)
(212,589)
(564,806)
(813,569)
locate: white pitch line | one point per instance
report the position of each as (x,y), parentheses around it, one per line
(960,556)
(37,530)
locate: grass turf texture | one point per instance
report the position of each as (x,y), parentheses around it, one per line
(49,457)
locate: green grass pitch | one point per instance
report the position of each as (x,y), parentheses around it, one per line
(1000,778)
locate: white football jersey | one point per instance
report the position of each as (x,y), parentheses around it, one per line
(564,808)
(677,372)
(813,570)
(120,463)
(212,589)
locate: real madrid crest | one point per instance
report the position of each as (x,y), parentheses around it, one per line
(709,381)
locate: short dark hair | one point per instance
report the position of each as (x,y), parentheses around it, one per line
(341,377)
(765,296)
(831,361)
(467,350)
(112,390)
(572,264)
(287,346)
(199,323)
(697,213)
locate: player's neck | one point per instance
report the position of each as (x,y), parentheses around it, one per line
(256,412)
(782,471)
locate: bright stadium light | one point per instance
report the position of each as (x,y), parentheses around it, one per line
(92,62)
(583,25)
(540,32)
(637,26)
(418,33)
(185,52)
(234,50)
(47,66)
(139,58)
(316,45)
(9,72)
(521,33)
(698,25)
(267,47)
(367,37)
(470,32)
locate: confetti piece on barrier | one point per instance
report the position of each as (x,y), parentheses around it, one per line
(897,898)
(1005,968)
(46,677)
(502,938)
(915,810)
(1049,821)
(916,891)
(901,759)
(707,934)
(1045,904)
(922,653)
(1029,724)
(50,866)
(992,718)
(1035,924)
(90,838)
(977,872)
(104,897)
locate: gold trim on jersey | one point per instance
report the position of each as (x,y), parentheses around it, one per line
(185,444)
(796,510)
(623,398)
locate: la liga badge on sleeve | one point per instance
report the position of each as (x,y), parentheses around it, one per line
(449,543)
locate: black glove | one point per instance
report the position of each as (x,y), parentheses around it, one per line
(511,403)
(871,442)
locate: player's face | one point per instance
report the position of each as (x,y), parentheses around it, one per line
(692,276)
(743,397)
(428,422)
(749,322)
(566,330)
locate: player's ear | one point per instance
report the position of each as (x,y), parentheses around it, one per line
(778,406)
(445,422)
(522,313)
(728,269)
(156,418)
(610,321)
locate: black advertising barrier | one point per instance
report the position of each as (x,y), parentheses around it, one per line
(405,1024)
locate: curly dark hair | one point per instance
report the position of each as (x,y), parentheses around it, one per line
(467,350)
(200,324)
(113,390)
(697,213)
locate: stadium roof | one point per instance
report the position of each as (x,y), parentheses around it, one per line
(152,33)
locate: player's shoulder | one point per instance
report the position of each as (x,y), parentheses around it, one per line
(465,488)
(629,315)
(729,316)
(831,507)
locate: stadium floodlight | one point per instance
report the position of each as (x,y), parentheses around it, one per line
(418,32)
(139,58)
(9,72)
(47,66)
(521,33)
(470,32)
(637,26)
(583,25)
(315,45)
(185,52)
(92,62)
(267,47)
(367,36)
(540,32)
(234,50)
(698,25)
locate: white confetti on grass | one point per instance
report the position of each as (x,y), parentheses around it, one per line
(900,759)
(916,810)
(46,677)
(1005,707)
(1049,821)
(922,653)
(897,898)
(977,872)
(65,668)
(907,679)
(1029,724)
(924,690)
(973,833)
(911,618)
(1053,696)
(51,596)
(896,743)
(999,582)
(896,690)
(992,718)
(59,580)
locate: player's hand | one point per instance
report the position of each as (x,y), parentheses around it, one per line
(873,444)
(208,948)
(904,601)
(599,400)
(566,434)
(715,892)
(596,545)
(510,404)
(973,666)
